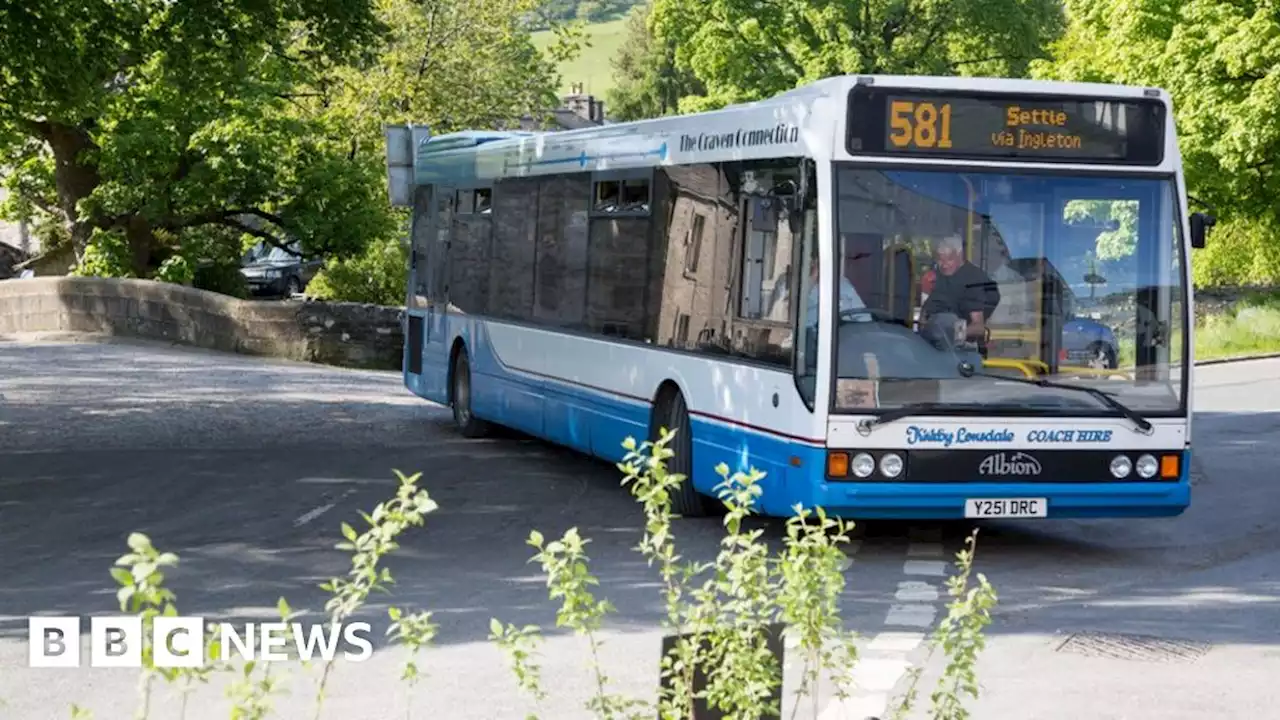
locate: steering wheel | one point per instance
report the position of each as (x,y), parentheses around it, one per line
(850,313)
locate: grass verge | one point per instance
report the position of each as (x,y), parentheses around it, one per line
(1252,327)
(593,67)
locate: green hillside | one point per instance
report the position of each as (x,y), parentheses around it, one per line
(592,68)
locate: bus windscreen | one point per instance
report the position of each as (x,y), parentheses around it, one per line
(977,126)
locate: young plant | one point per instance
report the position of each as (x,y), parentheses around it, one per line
(519,644)
(142,592)
(645,474)
(743,673)
(960,636)
(811,583)
(720,611)
(414,631)
(389,519)
(565,562)
(251,696)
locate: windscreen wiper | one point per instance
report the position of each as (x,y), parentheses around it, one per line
(1143,424)
(865,426)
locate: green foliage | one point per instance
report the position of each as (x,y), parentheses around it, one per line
(1251,327)
(648,83)
(140,575)
(389,519)
(721,620)
(961,639)
(1240,252)
(220,277)
(378,275)
(163,116)
(1121,215)
(745,51)
(1220,63)
(178,126)
(449,64)
(585,53)
(720,609)
(105,255)
(550,12)
(177,269)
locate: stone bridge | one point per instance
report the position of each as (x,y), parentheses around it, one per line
(348,334)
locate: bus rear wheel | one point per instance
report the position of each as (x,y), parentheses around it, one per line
(460,398)
(672,413)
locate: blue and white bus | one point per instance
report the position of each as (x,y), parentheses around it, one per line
(865,287)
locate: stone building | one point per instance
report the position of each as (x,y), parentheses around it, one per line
(578,110)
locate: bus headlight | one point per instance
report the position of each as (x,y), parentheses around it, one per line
(891,465)
(1147,466)
(863,465)
(1121,466)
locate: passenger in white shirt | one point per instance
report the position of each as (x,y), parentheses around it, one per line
(849,298)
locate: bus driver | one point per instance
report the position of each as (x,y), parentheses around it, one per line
(962,299)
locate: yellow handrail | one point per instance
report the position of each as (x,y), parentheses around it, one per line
(1024,366)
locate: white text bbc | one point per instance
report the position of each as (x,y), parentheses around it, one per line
(179,642)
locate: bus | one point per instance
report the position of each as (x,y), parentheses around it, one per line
(863,288)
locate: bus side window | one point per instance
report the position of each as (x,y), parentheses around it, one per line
(421,262)
(765,239)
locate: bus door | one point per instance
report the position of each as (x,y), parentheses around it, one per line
(1008,243)
(431,245)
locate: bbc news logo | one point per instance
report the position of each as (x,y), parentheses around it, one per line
(180,642)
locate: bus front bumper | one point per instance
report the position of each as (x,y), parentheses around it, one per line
(1047,500)
(938,498)
(945,501)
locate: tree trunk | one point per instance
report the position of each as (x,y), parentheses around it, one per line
(141,239)
(75,175)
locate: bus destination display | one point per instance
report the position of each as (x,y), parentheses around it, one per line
(1031,128)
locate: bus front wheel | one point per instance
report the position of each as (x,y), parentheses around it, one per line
(460,397)
(672,413)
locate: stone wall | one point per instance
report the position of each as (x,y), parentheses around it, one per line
(348,334)
(1220,300)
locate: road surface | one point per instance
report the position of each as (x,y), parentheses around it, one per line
(246,467)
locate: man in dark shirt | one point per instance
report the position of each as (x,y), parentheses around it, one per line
(961,292)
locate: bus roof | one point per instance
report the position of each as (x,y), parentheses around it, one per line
(798,123)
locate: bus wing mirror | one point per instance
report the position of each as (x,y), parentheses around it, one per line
(1200,224)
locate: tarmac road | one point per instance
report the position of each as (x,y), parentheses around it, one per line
(246,467)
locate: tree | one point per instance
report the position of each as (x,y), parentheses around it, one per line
(154,130)
(1220,62)
(450,65)
(143,118)
(745,50)
(647,81)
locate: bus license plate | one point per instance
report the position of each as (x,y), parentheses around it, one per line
(1006,508)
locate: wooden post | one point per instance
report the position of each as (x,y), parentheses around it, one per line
(773,639)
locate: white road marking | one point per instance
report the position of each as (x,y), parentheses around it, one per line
(312,514)
(851,548)
(879,675)
(883,663)
(912,616)
(896,641)
(916,591)
(934,568)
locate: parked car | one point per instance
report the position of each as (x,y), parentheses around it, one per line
(1087,342)
(275,272)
